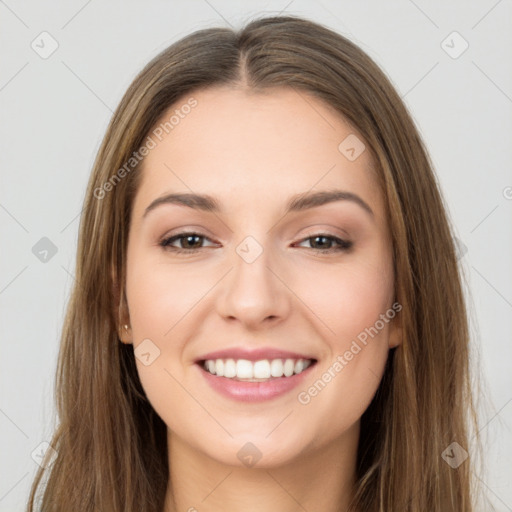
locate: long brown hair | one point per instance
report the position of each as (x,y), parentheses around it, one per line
(111,445)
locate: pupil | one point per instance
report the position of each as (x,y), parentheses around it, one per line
(189,238)
(325,239)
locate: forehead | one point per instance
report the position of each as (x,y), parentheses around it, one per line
(245,146)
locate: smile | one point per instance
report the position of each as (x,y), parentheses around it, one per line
(254,381)
(256,371)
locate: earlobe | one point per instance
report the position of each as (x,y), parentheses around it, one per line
(124,331)
(396,339)
(124,327)
(395,332)
(125,334)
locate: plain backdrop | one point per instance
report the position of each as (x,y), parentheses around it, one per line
(55,108)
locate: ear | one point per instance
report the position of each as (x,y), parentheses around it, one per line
(120,311)
(395,328)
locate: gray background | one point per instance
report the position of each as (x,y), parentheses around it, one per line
(54,112)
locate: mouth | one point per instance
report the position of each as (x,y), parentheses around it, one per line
(263,370)
(245,380)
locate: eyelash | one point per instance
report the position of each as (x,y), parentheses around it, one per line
(343,245)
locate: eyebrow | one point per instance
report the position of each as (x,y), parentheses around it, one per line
(296,203)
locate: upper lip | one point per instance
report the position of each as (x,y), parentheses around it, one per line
(252,355)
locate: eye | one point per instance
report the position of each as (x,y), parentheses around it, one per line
(323,243)
(190,242)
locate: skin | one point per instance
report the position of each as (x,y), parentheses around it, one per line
(253,151)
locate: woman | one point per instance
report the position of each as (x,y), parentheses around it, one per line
(268,312)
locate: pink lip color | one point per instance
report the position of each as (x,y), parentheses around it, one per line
(253,391)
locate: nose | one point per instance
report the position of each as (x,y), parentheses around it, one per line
(254,293)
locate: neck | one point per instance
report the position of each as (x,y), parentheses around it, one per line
(319,479)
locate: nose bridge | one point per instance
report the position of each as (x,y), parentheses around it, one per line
(252,292)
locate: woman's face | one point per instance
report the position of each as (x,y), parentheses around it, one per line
(257,281)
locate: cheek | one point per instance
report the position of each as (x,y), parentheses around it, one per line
(159,299)
(164,299)
(160,295)
(347,299)
(354,302)
(356,306)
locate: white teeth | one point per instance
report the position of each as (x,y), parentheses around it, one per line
(276,368)
(219,367)
(261,369)
(288,367)
(230,368)
(242,369)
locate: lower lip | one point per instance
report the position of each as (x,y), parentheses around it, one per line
(254,391)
